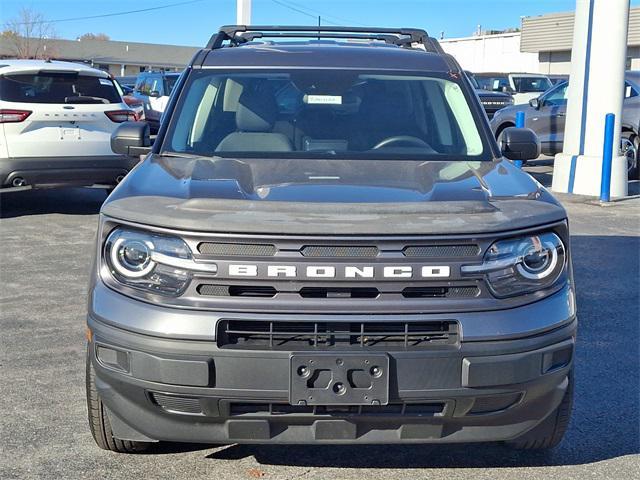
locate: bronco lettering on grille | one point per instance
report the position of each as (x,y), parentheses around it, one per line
(348,271)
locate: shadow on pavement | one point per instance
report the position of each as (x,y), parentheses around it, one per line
(67,201)
(605,421)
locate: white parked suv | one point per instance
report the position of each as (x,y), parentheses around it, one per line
(522,86)
(56,120)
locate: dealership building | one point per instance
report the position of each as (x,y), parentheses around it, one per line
(543,45)
(118,58)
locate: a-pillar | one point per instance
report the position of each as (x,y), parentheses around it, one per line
(596,88)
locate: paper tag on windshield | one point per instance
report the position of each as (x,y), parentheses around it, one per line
(324,99)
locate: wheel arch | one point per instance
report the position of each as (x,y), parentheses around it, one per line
(502,126)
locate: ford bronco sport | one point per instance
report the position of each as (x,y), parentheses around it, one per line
(325,244)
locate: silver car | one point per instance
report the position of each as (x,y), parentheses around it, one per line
(546,116)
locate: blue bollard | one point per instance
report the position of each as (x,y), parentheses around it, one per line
(519,124)
(607,158)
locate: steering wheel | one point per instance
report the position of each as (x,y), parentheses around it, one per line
(413,141)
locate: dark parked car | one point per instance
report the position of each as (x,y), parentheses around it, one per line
(491,101)
(325,244)
(546,116)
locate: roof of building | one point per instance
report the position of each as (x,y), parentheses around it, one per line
(10,66)
(326,54)
(479,37)
(114,52)
(554,32)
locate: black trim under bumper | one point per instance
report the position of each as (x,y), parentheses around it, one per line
(65,171)
(191,391)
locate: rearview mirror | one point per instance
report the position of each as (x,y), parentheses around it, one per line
(519,144)
(131,139)
(535,103)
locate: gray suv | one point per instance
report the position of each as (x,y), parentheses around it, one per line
(325,244)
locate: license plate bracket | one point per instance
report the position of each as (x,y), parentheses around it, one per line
(344,379)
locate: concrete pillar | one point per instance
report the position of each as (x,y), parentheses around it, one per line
(595,89)
(243,12)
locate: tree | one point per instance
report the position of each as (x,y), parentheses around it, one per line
(27,34)
(94,36)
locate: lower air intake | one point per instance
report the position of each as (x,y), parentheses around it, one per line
(252,334)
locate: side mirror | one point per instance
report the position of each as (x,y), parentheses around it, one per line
(131,139)
(535,103)
(519,144)
(154,93)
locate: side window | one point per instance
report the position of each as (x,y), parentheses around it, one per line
(629,91)
(557,96)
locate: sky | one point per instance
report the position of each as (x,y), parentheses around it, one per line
(192,22)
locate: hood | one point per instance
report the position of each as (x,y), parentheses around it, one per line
(490,93)
(308,196)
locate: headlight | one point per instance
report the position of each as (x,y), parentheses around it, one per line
(152,262)
(522,265)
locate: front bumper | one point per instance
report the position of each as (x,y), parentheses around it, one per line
(191,390)
(67,171)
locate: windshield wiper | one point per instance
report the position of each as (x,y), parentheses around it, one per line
(187,155)
(85,99)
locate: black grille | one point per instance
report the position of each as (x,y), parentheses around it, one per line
(442,251)
(214,290)
(237,249)
(435,292)
(237,409)
(329,251)
(322,292)
(251,334)
(235,291)
(176,403)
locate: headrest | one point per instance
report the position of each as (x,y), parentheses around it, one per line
(257,110)
(386,102)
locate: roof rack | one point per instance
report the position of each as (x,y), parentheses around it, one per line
(237,35)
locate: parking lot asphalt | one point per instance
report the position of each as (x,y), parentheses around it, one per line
(46,241)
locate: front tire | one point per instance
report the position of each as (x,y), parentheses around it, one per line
(99,420)
(550,432)
(630,146)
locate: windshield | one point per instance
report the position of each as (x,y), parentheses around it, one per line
(57,87)
(531,84)
(320,113)
(495,83)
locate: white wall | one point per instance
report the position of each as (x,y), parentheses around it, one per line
(491,53)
